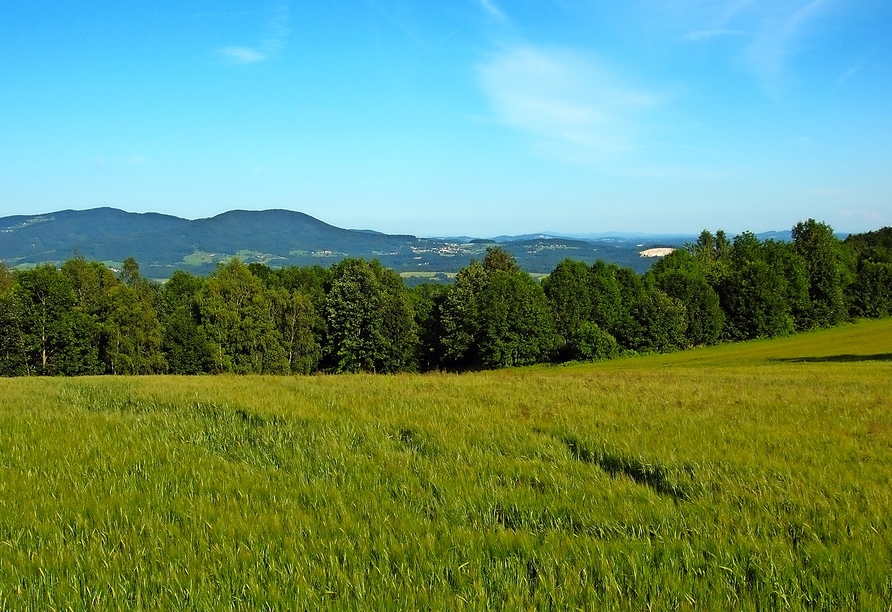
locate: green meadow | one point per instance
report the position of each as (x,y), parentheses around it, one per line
(749,476)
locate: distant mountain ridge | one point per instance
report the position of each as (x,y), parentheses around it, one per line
(163,243)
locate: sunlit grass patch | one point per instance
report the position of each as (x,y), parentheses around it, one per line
(741,476)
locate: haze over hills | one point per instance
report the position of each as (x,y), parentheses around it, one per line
(164,243)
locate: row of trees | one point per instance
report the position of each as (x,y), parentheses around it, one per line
(83,318)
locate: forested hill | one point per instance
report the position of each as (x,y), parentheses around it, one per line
(164,243)
(108,234)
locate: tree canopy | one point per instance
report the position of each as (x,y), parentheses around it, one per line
(358,316)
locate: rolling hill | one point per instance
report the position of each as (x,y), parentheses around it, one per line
(164,243)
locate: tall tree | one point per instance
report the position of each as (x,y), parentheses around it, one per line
(134,333)
(427,302)
(820,249)
(754,294)
(783,257)
(57,336)
(397,321)
(622,306)
(661,322)
(92,284)
(460,317)
(871,292)
(13,355)
(679,275)
(570,301)
(185,344)
(295,319)
(516,326)
(6,279)
(238,322)
(497,258)
(371,326)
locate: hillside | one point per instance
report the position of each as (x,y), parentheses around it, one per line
(163,243)
(747,476)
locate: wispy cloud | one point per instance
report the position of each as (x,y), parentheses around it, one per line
(776,41)
(770,33)
(568,101)
(442,40)
(243,55)
(492,9)
(842,80)
(699,35)
(270,46)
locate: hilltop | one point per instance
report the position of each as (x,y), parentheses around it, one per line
(164,243)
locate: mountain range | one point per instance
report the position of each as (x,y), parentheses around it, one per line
(164,243)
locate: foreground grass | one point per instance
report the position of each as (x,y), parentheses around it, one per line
(750,476)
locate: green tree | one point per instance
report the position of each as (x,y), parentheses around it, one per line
(495,315)
(754,294)
(182,289)
(92,284)
(312,281)
(6,279)
(13,356)
(516,326)
(427,301)
(460,317)
(820,249)
(356,339)
(713,254)
(871,292)
(588,305)
(497,258)
(661,322)
(680,276)
(783,257)
(238,322)
(397,321)
(57,336)
(185,344)
(591,343)
(371,326)
(567,290)
(129,274)
(621,308)
(134,333)
(295,319)
(610,299)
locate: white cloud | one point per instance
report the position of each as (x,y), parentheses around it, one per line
(776,41)
(494,11)
(770,33)
(271,46)
(841,81)
(243,55)
(568,101)
(699,35)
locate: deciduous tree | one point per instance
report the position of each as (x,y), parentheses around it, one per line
(820,249)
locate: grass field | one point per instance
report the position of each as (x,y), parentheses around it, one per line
(752,476)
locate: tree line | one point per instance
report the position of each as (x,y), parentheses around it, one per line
(357,316)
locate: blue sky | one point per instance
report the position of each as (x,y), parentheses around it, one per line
(477,117)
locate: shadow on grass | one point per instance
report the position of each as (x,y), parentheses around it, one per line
(659,478)
(837,358)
